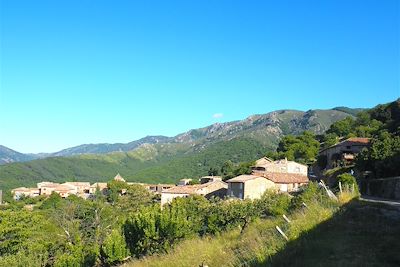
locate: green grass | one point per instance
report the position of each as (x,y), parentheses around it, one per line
(258,243)
(361,234)
(356,234)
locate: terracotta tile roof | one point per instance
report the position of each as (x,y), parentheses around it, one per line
(353,140)
(286,178)
(361,140)
(188,189)
(78,183)
(243,178)
(100,185)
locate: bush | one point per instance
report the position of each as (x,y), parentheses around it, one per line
(272,203)
(347,180)
(114,247)
(311,193)
(153,230)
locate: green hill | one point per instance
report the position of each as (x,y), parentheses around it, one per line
(151,163)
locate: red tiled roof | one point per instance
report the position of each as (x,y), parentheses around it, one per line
(354,140)
(361,140)
(243,178)
(286,178)
(188,189)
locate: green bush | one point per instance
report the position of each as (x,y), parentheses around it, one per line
(272,203)
(348,181)
(114,247)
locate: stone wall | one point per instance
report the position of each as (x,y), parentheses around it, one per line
(384,188)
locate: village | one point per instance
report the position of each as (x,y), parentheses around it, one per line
(280,175)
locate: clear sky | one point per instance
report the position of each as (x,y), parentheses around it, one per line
(75,72)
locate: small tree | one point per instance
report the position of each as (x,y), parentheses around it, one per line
(114,247)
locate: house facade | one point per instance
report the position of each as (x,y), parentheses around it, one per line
(248,186)
(24,192)
(254,186)
(344,152)
(265,165)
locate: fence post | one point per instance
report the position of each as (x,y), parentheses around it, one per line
(340,186)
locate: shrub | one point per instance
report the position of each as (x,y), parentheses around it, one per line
(272,203)
(347,180)
(114,247)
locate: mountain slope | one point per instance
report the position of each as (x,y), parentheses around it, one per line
(149,163)
(107,148)
(8,155)
(266,128)
(164,159)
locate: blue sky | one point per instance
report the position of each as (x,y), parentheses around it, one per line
(76,72)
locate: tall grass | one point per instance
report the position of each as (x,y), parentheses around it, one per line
(256,244)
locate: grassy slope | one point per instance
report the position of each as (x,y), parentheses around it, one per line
(362,234)
(152,164)
(359,234)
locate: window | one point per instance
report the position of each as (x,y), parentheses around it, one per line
(240,195)
(241,186)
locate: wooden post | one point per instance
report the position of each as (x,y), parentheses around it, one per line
(286,218)
(340,187)
(282,233)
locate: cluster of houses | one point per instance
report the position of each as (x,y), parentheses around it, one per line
(81,189)
(280,175)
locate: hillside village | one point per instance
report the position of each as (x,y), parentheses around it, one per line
(280,175)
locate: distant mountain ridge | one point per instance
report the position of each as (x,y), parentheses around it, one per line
(266,128)
(160,159)
(8,155)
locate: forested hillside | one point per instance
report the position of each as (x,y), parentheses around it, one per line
(150,164)
(158,159)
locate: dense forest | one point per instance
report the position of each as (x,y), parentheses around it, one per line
(161,164)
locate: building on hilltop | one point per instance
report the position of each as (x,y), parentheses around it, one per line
(344,152)
(119,178)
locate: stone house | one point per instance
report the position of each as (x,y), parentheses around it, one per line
(207,179)
(102,187)
(83,188)
(266,165)
(23,191)
(254,186)
(248,186)
(208,190)
(287,182)
(64,190)
(344,152)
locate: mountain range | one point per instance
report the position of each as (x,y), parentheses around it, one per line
(166,159)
